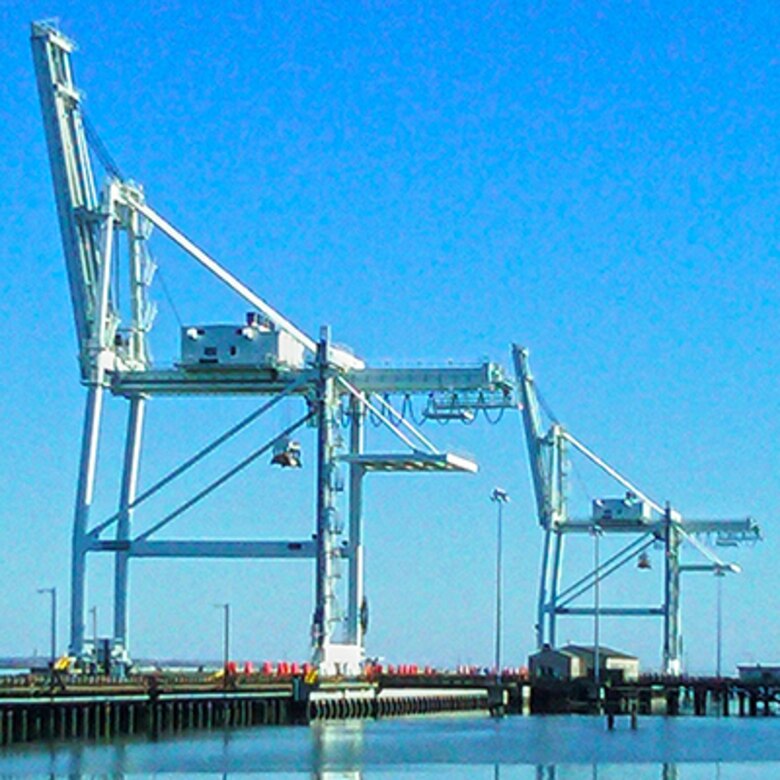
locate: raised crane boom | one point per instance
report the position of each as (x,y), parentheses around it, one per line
(546,451)
(74,183)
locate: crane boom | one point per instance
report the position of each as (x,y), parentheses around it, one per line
(534,434)
(74,183)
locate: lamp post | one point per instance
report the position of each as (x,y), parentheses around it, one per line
(596,531)
(499,497)
(719,575)
(93,611)
(53,593)
(225,638)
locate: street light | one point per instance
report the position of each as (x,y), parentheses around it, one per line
(596,531)
(719,574)
(226,638)
(53,593)
(93,611)
(499,496)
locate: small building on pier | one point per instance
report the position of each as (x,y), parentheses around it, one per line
(759,673)
(571,662)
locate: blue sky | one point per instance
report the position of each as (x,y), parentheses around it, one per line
(435,181)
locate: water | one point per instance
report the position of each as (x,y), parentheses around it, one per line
(515,748)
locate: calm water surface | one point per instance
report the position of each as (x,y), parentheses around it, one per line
(538,748)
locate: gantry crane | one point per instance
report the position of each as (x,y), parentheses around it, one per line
(265,356)
(634,515)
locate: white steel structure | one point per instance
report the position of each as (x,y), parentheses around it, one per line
(267,356)
(633,515)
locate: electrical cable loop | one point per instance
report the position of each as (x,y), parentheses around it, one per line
(375,419)
(494,420)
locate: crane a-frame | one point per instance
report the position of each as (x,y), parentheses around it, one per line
(634,516)
(265,356)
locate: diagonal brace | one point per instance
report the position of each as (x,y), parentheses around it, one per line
(197,457)
(609,567)
(221,480)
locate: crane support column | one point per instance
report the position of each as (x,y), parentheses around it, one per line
(84,496)
(356,612)
(325,656)
(132,458)
(672,660)
(541,607)
(555,585)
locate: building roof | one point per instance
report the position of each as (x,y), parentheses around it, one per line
(589,651)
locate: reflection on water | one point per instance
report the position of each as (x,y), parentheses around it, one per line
(447,748)
(337,743)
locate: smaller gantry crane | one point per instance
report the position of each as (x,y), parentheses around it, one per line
(633,516)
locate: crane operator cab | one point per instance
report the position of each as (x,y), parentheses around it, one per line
(287,453)
(629,510)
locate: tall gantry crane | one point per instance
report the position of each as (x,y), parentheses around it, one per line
(634,515)
(265,356)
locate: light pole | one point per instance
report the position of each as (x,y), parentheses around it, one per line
(93,613)
(499,497)
(225,638)
(596,531)
(719,574)
(53,593)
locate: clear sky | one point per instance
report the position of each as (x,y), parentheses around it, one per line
(598,181)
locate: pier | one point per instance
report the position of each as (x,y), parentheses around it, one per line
(31,709)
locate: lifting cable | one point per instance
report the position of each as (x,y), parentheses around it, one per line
(580,480)
(168,296)
(99,148)
(547,408)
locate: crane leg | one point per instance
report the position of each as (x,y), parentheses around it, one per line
(132,459)
(84,496)
(544,575)
(672,614)
(555,587)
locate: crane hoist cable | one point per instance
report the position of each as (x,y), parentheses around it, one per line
(99,148)
(547,408)
(169,297)
(574,468)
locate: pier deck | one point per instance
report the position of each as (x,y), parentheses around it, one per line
(34,708)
